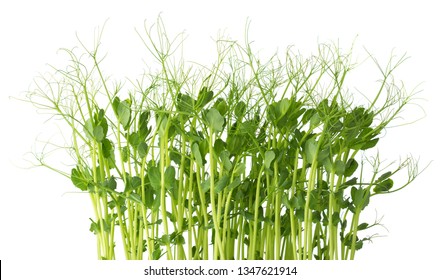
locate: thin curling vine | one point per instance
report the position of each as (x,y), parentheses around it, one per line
(244,159)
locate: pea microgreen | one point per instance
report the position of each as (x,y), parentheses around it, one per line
(245,159)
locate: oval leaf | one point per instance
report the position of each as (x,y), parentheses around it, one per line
(215,120)
(339,167)
(123,113)
(154,176)
(269,156)
(197,155)
(350,167)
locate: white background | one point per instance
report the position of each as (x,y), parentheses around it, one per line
(44,226)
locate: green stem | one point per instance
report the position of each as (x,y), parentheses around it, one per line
(354,229)
(278,195)
(255,224)
(218,245)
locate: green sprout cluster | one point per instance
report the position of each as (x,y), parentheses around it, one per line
(244,159)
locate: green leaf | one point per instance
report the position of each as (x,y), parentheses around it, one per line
(165,239)
(133,183)
(343,225)
(282,107)
(286,202)
(360,197)
(102,122)
(384,186)
(175,155)
(221,183)
(150,196)
(339,167)
(350,167)
(135,197)
(350,182)
(136,182)
(179,240)
(157,253)
(269,156)
(335,218)
(94,227)
(196,153)
(88,128)
(185,103)
(335,125)
(323,155)
(246,130)
(315,120)
(162,123)
(370,144)
(215,120)
(224,158)
(299,201)
(219,146)
(204,148)
(142,149)
(239,110)
(308,115)
(384,176)
(125,152)
(115,104)
(144,130)
(359,245)
(239,169)
(123,113)
(154,177)
(328,165)
(107,148)
(317,200)
(204,97)
(170,177)
(98,133)
(311,147)
(234,184)
(134,139)
(316,217)
(221,106)
(79,180)
(235,144)
(324,108)
(206,185)
(362,226)
(356,196)
(110,183)
(156,205)
(299,214)
(277,110)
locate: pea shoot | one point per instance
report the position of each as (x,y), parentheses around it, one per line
(243,159)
